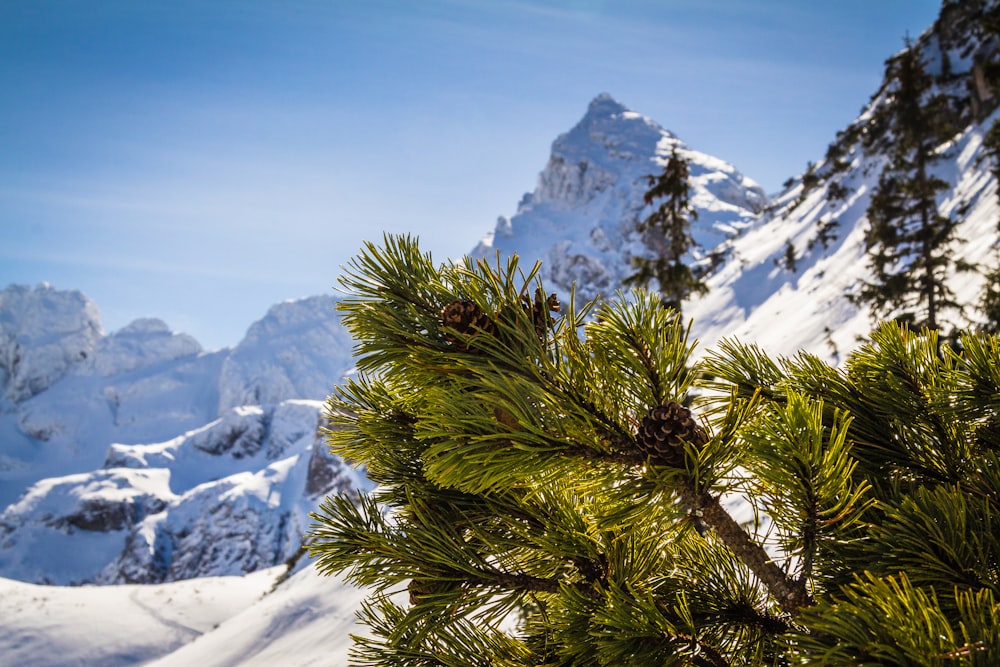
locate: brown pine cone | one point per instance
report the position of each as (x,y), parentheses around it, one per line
(421,589)
(465,317)
(540,309)
(663,432)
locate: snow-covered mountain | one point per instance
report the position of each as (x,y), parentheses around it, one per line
(228,498)
(785,267)
(580,220)
(136,456)
(130,457)
(788,279)
(68,391)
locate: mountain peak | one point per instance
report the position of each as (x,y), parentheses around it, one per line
(611,131)
(581,218)
(605,105)
(44,332)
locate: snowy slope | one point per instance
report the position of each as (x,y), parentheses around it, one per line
(308,620)
(111,626)
(757,297)
(754,298)
(209,622)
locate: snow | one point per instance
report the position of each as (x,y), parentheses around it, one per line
(306,621)
(231,497)
(251,620)
(297,350)
(63,626)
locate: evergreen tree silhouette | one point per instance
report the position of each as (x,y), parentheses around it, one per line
(667,234)
(909,242)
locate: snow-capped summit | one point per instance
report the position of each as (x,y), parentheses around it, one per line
(588,159)
(44,332)
(580,220)
(297,350)
(141,343)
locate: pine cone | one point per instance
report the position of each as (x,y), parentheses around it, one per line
(664,431)
(465,317)
(540,310)
(421,589)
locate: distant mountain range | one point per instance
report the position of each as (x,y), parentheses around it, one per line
(136,456)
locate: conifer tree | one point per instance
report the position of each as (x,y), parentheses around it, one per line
(555,484)
(787,260)
(909,241)
(991,146)
(989,301)
(667,233)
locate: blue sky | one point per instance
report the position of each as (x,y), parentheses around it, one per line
(200,160)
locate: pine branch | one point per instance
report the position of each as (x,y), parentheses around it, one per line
(809,541)
(524,466)
(529,584)
(790,595)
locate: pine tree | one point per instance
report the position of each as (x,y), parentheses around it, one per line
(825,234)
(991,146)
(787,260)
(667,233)
(989,301)
(554,484)
(909,241)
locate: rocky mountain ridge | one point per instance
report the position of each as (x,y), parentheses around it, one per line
(98,485)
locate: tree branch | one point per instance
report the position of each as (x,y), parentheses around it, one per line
(528,583)
(790,596)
